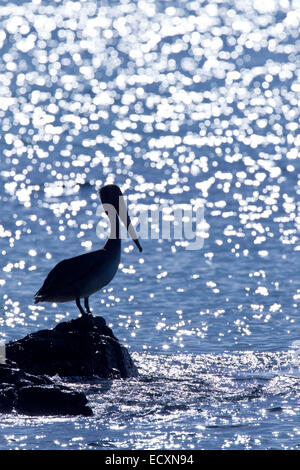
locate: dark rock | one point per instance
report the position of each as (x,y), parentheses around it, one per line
(51,400)
(81,347)
(7,398)
(37,395)
(84,347)
(11,374)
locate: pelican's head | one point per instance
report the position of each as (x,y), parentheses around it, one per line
(112,198)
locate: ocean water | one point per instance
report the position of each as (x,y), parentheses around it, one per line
(175,101)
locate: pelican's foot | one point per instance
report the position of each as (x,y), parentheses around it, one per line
(86,304)
(87,320)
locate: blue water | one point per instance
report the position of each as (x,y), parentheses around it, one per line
(173,101)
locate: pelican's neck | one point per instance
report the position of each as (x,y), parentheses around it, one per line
(114,241)
(113,244)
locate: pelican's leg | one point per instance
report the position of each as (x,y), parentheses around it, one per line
(86,304)
(79,306)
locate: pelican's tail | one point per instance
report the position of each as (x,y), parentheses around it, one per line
(39,297)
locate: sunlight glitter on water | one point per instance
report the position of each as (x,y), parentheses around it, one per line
(175,102)
(181,401)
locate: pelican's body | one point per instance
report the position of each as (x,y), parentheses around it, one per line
(81,276)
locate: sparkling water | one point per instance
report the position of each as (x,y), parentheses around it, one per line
(174,101)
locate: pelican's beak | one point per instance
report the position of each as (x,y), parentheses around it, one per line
(123,214)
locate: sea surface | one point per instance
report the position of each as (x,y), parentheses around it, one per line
(176,102)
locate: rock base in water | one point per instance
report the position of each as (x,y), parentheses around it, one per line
(32,395)
(82,347)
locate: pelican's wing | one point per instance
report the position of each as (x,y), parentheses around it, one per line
(66,275)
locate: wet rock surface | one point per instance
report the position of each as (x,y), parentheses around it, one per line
(37,395)
(82,348)
(51,400)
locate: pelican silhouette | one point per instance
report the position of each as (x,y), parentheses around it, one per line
(81,276)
